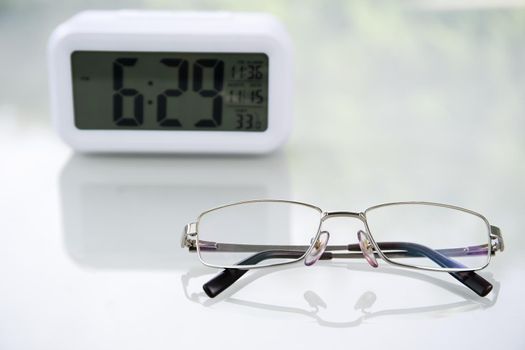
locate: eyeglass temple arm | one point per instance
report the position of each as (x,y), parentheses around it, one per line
(471,279)
(229,276)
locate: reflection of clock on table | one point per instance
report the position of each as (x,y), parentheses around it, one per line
(129,212)
(139,81)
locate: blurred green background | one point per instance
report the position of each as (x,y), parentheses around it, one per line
(371,77)
(384,64)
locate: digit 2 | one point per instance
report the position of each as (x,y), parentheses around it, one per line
(162,99)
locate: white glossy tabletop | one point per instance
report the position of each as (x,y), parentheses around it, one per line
(89,245)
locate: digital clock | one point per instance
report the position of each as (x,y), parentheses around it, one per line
(142,81)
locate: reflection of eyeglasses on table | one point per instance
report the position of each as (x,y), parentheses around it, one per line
(363,305)
(419,235)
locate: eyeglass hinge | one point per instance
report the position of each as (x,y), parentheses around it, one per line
(496,239)
(188,236)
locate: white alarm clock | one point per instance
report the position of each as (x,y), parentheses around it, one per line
(187,82)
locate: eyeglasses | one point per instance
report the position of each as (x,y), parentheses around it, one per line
(419,235)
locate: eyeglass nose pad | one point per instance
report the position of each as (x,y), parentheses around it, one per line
(317,249)
(367,248)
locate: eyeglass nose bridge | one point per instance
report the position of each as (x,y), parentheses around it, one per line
(366,242)
(344,214)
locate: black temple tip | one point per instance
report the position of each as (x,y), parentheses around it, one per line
(475,282)
(223,280)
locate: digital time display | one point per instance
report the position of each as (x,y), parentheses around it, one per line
(170,91)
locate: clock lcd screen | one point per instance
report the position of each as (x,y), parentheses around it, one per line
(170,91)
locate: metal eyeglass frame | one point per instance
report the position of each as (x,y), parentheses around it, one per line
(368,248)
